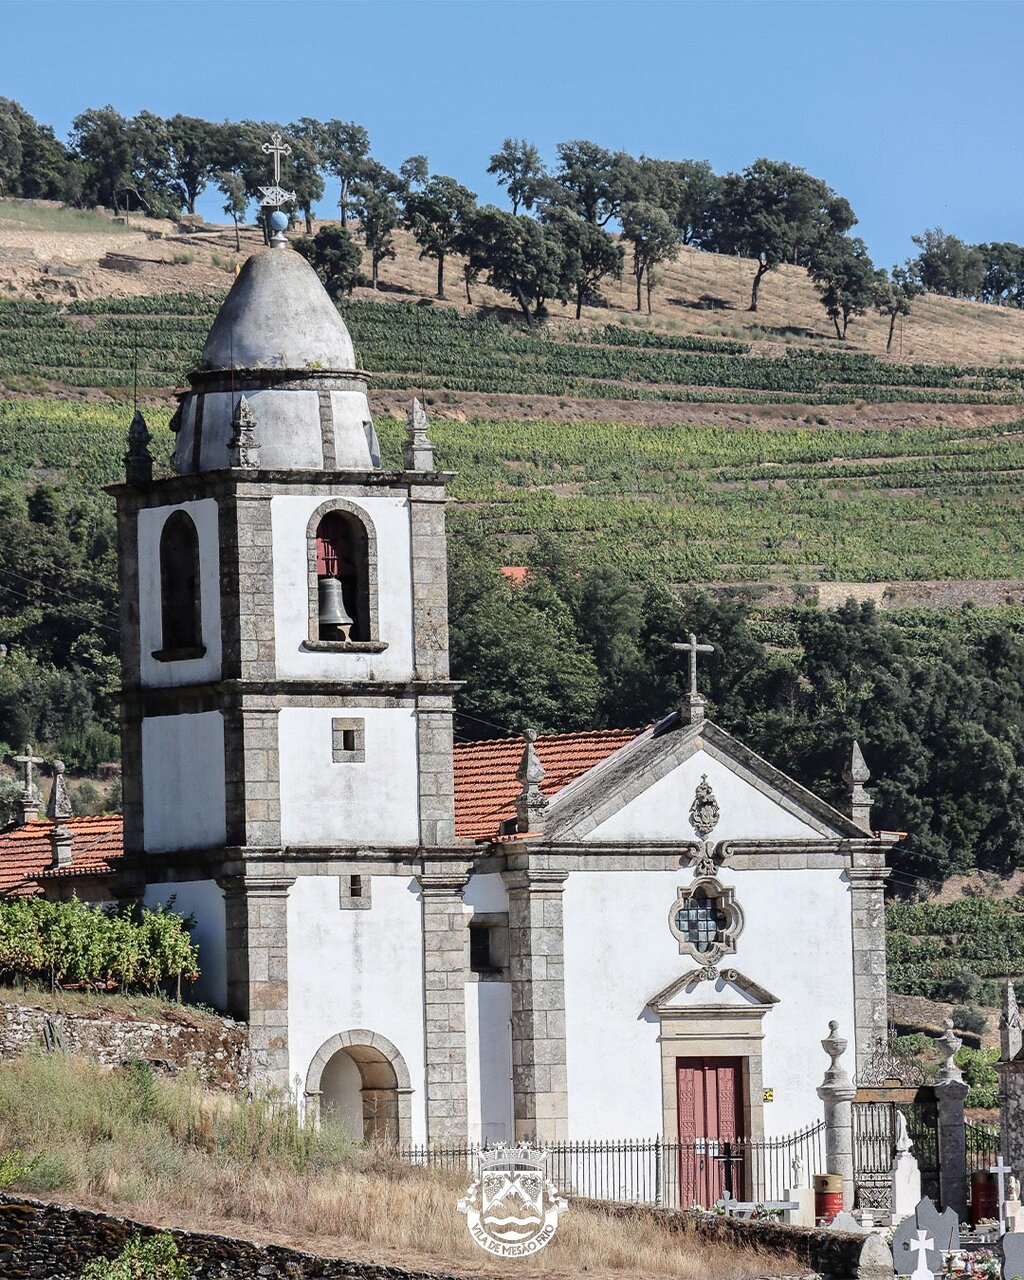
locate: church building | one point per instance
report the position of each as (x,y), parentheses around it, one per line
(609,935)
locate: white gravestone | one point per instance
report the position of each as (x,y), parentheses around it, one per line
(905,1176)
(801,1195)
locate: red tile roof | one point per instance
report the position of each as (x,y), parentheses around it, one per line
(485,795)
(485,773)
(26,856)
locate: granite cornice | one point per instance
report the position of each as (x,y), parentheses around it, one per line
(245,482)
(275,694)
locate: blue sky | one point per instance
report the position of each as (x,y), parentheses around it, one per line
(913,111)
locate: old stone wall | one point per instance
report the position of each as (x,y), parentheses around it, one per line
(839,1255)
(53,1242)
(179,1039)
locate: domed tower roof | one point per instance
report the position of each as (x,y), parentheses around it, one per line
(277,315)
(279,341)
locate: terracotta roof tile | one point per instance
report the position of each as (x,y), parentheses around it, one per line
(25,854)
(485,773)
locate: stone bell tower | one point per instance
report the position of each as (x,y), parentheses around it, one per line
(287,710)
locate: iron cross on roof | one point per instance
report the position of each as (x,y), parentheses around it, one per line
(27,760)
(275,196)
(692,707)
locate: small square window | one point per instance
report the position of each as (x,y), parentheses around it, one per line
(488,946)
(354,892)
(348,741)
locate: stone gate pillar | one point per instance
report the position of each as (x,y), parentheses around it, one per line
(950,1092)
(837,1092)
(537,964)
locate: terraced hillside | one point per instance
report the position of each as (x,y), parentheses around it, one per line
(684,503)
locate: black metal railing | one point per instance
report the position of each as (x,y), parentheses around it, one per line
(983,1145)
(672,1174)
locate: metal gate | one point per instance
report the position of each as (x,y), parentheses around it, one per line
(874,1144)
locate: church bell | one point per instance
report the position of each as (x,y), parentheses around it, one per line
(334,619)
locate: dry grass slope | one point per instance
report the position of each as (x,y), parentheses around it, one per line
(699,293)
(173,1154)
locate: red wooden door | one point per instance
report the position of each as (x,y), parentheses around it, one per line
(710,1115)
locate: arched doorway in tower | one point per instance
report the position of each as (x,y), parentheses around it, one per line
(361,1082)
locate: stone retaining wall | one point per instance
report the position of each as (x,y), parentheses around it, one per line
(837,1255)
(217,1048)
(53,1242)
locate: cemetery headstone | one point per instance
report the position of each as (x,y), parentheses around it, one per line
(942,1228)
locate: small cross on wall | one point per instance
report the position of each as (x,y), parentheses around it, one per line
(27,760)
(692,707)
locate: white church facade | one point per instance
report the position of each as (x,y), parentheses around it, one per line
(589,936)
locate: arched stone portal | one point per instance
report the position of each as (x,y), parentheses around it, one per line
(361,1079)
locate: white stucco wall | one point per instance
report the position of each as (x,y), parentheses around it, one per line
(389,517)
(183,782)
(151,522)
(619,953)
(489,1061)
(486,892)
(351,970)
(375,801)
(660,812)
(203,899)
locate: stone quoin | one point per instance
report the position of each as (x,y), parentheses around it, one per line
(583,936)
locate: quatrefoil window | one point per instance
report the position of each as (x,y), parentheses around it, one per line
(705,920)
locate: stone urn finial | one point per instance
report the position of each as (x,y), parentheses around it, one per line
(835,1046)
(950,1044)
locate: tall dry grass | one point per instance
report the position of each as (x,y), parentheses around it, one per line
(150,1146)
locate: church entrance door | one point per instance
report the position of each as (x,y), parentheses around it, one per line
(710,1129)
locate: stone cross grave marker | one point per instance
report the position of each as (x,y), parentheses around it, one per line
(921,1245)
(1001,1169)
(943,1228)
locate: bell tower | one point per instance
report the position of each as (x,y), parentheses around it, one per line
(286,705)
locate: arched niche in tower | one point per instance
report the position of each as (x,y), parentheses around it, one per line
(181,610)
(342,568)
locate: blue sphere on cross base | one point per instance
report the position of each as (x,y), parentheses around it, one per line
(278,220)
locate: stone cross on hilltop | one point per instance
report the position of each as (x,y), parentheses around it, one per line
(692,707)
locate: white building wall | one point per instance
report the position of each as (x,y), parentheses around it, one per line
(660,812)
(183,782)
(619,953)
(203,899)
(151,522)
(389,517)
(355,969)
(489,1031)
(374,801)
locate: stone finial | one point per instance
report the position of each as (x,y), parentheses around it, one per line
(530,803)
(950,1044)
(691,708)
(243,447)
(61,842)
(835,1046)
(58,807)
(138,463)
(1011,1036)
(418,452)
(855,775)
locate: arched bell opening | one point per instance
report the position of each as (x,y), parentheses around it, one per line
(181,616)
(362,1084)
(343,577)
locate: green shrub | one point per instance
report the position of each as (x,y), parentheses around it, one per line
(155,1258)
(13,1167)
(966,1018)
(981,1075)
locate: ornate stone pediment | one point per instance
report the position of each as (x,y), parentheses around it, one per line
(671,998)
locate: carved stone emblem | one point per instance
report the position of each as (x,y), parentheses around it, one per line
(704,812)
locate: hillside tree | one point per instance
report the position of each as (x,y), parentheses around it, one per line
(520,170)
(194,149)
(99,139)
(772,210)
(589,254)
(845,278)
(335,257)
(520,257)
(346,152)
(895,292)
(436,216)
(946,265)
(376,206)
(236,200)
(302,169)
(654,238)
(589,178)
(414,171)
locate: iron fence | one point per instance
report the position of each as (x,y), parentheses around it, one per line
(983,1145)
(671,1174)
